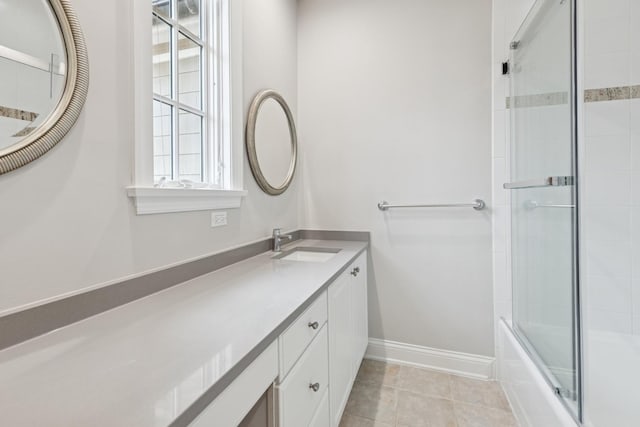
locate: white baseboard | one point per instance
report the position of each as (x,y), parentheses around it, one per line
(468,365)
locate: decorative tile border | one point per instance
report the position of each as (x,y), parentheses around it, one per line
(590,95)
(32,322)
(24,132)
(14,113)
(608,94)
(539,100)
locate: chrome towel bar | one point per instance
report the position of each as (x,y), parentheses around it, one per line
(477,205)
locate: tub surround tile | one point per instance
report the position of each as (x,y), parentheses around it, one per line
(607,118)
(607,70)
(608,153)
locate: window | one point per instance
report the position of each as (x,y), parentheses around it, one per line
(188,105)
(184,146)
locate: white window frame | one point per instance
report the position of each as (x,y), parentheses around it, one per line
(229,117)
(210,143)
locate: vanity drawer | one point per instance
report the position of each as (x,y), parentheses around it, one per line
(297,337)
(297,400)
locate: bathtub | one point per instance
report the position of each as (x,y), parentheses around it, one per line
(532,399)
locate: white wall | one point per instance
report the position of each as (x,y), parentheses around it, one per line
(394,104)
(66,222)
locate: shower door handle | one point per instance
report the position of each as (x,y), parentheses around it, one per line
(550,181)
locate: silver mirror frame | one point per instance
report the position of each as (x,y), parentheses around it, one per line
(252,118)
(64,116)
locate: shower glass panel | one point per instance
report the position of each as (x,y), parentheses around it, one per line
(544,245)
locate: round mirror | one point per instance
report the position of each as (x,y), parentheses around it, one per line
(44,69)
(272,143)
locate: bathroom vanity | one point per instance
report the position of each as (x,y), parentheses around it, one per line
(312,364)
(274,340)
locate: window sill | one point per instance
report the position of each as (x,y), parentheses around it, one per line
(154,200)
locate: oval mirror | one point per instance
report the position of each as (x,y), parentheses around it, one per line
(45,77)
(272,143)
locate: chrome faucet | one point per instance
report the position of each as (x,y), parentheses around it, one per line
(278,238)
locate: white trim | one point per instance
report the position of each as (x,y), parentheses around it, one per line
(234,173)
(465,364)
(143,92)
(154,200)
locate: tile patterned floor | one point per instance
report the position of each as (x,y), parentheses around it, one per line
(386,395)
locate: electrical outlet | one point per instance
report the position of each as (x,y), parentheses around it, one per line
(218,219)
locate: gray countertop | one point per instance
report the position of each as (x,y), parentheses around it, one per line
(147,362)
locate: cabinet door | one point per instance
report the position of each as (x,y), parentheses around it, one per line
(340,346)
(358,275)
(321,418)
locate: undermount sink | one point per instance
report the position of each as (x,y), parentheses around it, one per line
(305,254)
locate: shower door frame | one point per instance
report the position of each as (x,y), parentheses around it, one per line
(577,412)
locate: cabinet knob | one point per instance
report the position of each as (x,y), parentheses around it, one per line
(315,387)
(355,271)
(313,325)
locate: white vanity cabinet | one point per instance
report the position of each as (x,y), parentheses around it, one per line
(338,348)
(315,360)
(348,333)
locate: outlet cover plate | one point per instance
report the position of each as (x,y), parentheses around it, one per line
(218,219)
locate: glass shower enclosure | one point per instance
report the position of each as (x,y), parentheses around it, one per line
(543,190)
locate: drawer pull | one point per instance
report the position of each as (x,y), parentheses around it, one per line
(315,387)
(355,271)
(313,325)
